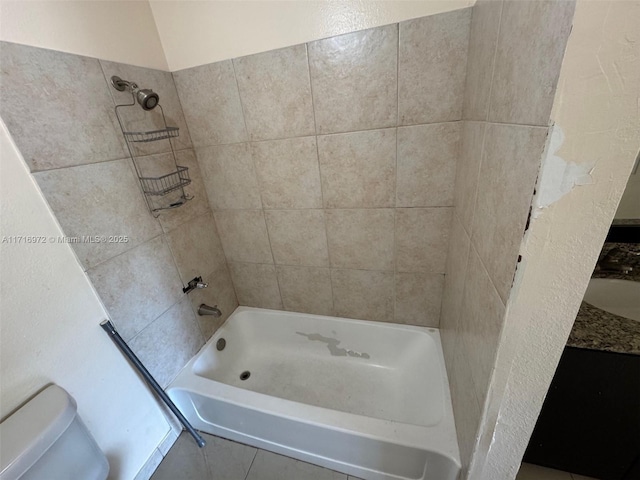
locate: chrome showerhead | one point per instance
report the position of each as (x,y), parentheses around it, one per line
(147,98)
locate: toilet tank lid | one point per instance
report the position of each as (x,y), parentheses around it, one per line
(29,432)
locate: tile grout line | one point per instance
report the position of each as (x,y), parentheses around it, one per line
(262,210)
(495,61)
(320,178)
(252,461)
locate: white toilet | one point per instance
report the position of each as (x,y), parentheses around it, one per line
(46,440)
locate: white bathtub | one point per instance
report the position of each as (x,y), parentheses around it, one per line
(364,398)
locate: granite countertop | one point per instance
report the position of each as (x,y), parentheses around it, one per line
(596,329)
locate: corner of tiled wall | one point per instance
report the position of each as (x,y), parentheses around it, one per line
(330,167)
(515,53)
(72,142)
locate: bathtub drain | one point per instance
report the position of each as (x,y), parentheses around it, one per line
(244,375)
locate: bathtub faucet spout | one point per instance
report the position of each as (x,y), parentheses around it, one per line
(207,310)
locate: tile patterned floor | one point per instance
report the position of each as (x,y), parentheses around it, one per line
(222,459)
(535,472)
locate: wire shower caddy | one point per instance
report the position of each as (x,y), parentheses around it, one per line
(156,189)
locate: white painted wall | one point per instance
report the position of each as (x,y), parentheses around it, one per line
(596,108)
(120,31)
(199,32)
(50,329)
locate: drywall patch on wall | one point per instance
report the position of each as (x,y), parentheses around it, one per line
(557,176)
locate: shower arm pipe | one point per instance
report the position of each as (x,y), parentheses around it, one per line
(124,348)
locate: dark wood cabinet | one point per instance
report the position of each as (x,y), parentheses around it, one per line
(590,420)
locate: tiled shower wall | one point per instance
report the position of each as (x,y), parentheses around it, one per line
(330,167)
(515,53)
(59,109)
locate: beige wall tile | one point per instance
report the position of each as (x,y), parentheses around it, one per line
(244,235)
(480,323)
(168,344)
(421,239)
(306,289)
(432,65)
(468,411)
(468,171)
(361,239)
(276,93)
(510,164)
(418,298)
(99,199)
(456,271)
(533,37)
(138,120)
(53,125)
(256,285)
(138,286)
(211,103)
(198,205)
(354,78)
(427,157)
(219,292)
(229,176)
(196,247)
(288,173)
(298,237)
(485,24)
(358,169)
(363,294)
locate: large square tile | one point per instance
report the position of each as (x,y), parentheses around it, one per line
(269,466)
(358,169)
(306,289)
(354,78)
(244,235)
(510,164)
(529,471)
(456,271)
(468,171)
(418,298)
(183,461)
(427,158)
(480,323)
(138,120)
(220,293)
(256,285)
(55,121)
(288,173)
(276,93)
(485,24)
(229,176)
(211,104)
(422,236)
(432,65)
(137,286)
(531,45)
(196,247)
(363,294)
(227,460)
(99,199)
(298,237)
(166,345)
(468,411)
(361,239)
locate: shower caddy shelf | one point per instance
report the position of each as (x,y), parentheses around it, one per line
(152,136)
(154,187)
